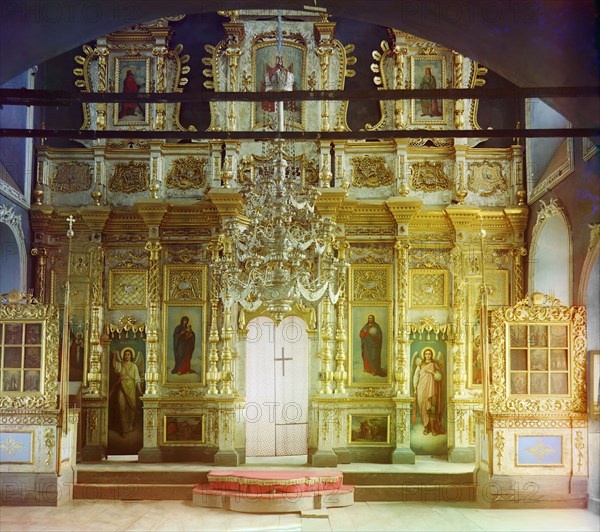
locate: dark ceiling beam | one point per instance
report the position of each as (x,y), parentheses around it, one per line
(64,98)
(77,134)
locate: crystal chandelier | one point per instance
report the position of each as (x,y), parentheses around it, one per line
(284,254)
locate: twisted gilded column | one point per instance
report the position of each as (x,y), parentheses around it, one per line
(40,279)
(326,374)
(213,375)
(340,375)
(458,348)
(402,356)
(160,52)
(227,351)
(399,53)
(94,376)
(233,55)
(518,251)
(459,105)
(324,53)
(101,108)
(153,247)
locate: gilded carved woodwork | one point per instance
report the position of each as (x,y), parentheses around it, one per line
(326,375)
(24,308)
(428,288)
(127,259)
(94,375)
(370,171)
(74,176)
(127,289)
(428,258)
(486,178)
(130,177)
(370,231)
(428,325)
(125,325)
(186,255)
(401,374)
(499,442)
(528,310)
(370,254)
(535,421)
(579,447)
(429,176)
(185,283)
(187,173)
(50,443)
(497,285)
(401,428)
(306,166)
(153,247)
(371,393)
(340,374)
(371,283)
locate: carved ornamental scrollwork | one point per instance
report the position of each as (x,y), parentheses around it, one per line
(187,173)
(73,176)
(126,324)
(370,284)
(371,172)
(130,177)
(185,283)
(307,167)
(486,178)
(371,254)
(429,176)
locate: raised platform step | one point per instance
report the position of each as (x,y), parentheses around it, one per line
(283,502)
(417,492)
(134,492)
(273,491)
(269,481)
(427,480)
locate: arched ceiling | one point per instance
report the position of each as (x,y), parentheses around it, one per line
(532,43)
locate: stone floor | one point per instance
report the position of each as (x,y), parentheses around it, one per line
(101,515)
(369,516)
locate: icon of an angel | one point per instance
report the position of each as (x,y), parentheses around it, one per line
(428,384)
(128,367)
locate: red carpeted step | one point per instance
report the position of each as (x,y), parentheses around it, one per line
(206,496)
(270,481)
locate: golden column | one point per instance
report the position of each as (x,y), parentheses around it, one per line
(341,374)
(235,38)
(153,247)
(40,279)
(399,52)
(403,349)
(152,212)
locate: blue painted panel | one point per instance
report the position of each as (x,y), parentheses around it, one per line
(539,450)
(16,447)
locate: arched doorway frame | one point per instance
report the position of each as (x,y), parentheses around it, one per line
(547,212)
(9,216)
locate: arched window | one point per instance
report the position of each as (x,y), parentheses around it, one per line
(550,254)
(13,258)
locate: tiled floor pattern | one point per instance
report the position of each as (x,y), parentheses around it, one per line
(100,515)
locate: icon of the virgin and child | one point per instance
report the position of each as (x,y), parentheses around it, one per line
(184,342)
